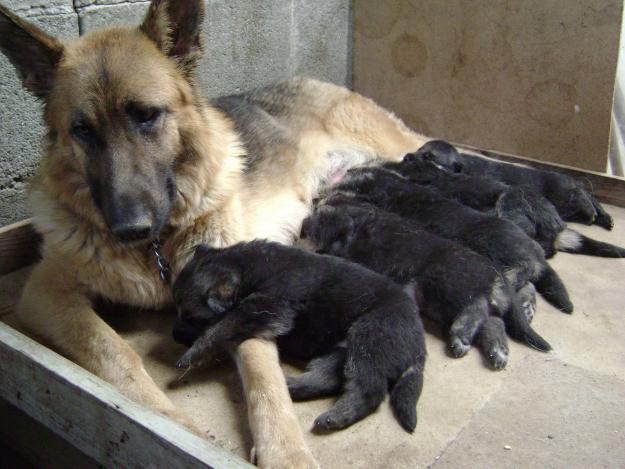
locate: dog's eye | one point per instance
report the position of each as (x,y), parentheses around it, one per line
(82,130)
(144,116)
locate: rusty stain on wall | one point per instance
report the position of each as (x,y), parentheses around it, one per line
(526,77)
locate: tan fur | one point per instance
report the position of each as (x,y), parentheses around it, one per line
(217,203)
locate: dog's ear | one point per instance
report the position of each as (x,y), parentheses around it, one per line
(175,27)
(33,53)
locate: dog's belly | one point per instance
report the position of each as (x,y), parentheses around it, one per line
(275,212)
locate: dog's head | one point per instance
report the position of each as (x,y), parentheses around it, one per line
(329,228)
(207,287)
(440,153)
(117,105)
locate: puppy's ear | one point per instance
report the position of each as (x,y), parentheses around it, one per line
(34,54)
(175,27)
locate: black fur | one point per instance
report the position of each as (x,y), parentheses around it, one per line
(310,303)
(521,205)
(518,257)
(454,286)
(572,202)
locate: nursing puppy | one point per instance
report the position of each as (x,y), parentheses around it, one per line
(519,258)
(454,286)
(310,303)
(521,205)
(572,202)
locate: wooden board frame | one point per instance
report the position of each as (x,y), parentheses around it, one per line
(93,416)
(98,420)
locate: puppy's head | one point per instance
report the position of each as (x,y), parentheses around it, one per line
(329,229)
(573,203)
(207,288)
(117,104)
(440,153)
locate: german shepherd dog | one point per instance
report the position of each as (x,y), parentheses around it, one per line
(454,286)
(573,203)
(312,305)
(518,257)
(133,153)
(522,205)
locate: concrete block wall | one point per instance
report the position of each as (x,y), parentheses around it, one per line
(247,43)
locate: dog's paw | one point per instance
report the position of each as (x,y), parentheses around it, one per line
(332,420)
(457,348)
(284,458)
(498,357)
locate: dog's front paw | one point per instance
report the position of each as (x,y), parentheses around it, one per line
(285,458)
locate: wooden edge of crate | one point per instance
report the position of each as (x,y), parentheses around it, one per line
(19,246)
(93,416)
(19,242)
(608,189)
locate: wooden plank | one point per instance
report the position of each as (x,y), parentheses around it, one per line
(608,189)
(93,416)
(19,246)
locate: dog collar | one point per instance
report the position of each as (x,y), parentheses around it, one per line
(161,262)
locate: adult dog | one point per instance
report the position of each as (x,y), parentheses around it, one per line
(133,153)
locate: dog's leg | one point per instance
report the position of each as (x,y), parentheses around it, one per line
(493,342)
(466,325)
(278,439)
(56,310)
(323,377)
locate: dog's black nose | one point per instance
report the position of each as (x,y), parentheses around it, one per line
(134,231)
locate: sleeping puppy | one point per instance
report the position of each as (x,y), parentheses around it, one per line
(518,257)
(528,210)
(521,205)
(310,303)
(454,286)
(572,202)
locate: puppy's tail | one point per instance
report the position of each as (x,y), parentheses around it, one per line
(518,327)
(550,286)
(576,243)
(405,395)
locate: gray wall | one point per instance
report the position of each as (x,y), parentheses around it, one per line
(247,42)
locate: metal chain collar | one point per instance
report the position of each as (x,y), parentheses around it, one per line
(161,262)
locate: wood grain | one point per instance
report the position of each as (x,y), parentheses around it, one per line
(19,246)
(93,416)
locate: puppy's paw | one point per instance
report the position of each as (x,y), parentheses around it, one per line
(498,356)
(458,348)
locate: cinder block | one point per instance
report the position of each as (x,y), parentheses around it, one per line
(247,44)
(21,128)
(323,39)
(100,15)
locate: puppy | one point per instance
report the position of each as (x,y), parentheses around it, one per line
(519,258)
(454,286)
(572,202)
(528,210)
(521,205)
(310,303)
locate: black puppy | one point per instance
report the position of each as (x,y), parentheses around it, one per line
(454,286)
(521,205)
(572,202)
(520,259)
(310,303)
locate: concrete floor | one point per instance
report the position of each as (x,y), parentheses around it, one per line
(565,409)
